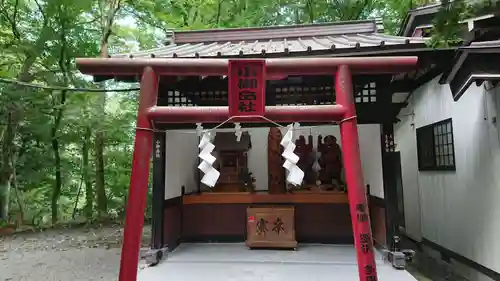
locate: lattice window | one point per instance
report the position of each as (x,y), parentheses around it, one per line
(303,95)
(275,95)
(211,95)
(209,98)
(435,146)
(366,93)
(174,98)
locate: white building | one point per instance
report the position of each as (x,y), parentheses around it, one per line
(449,141)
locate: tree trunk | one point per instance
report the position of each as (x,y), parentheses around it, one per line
(100,186)
(56,191)
(107,25)
(297,15)
(19,199)
(99,166)
(89,192)
(7,167)
(310,10)
(75,208)
(219,10)
(4,199)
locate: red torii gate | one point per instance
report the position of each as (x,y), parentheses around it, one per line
(344,111)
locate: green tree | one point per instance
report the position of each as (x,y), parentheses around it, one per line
(23,45)
(67,154)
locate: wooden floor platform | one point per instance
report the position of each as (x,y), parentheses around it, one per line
(221,262)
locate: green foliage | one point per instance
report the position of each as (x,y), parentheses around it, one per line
(479,8)
(393,13)
(46,152)
(448,29)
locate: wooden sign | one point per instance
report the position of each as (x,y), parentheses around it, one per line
(247,87)
(271,227)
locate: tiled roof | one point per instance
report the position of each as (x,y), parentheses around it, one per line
(335,37)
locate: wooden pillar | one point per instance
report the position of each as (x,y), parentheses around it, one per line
(389,170)
(390,159)
(136,203)
(159,165)
(363,240)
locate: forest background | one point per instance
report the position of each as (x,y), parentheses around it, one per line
(65,155)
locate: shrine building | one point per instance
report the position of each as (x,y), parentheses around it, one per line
(350,199)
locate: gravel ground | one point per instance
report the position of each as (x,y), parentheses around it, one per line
(63,255)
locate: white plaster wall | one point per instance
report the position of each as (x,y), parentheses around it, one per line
(406,143)
(458,210)
(371,158)
(181,157)
(181,154)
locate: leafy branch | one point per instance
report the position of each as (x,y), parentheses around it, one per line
(448,27)
(61,88)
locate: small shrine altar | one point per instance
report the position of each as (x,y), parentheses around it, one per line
(233,162)
(281,215)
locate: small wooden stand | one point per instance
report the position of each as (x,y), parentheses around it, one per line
(271,227)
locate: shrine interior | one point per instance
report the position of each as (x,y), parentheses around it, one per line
(252,152)
(251,169)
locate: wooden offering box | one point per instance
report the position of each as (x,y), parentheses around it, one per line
(271,227)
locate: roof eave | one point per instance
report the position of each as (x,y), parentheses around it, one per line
(405,28)
(404,25)
(413,50)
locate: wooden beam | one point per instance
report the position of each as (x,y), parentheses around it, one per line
(207,67)
(251,198)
